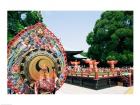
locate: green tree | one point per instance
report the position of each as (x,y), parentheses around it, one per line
(18,20)
(112,38)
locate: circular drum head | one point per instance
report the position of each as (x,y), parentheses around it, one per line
(37,63)
(35,57)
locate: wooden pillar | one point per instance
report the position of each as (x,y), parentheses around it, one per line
(129,76)
(75,63)
(91,64)
(112,65)
(96,69)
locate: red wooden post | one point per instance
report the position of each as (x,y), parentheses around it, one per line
(129,74)
(75,63)
(96,69)
(91,64)
(112,65)
(130,80)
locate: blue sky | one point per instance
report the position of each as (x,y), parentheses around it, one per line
(71,27)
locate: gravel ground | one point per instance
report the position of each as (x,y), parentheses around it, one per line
(72,89)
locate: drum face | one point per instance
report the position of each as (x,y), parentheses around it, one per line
(32,51)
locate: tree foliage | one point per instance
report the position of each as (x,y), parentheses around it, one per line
(18,20)
(112,38)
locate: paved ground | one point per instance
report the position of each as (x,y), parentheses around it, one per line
(72,89)
(130,90)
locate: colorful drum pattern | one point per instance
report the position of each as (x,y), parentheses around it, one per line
(33,51)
